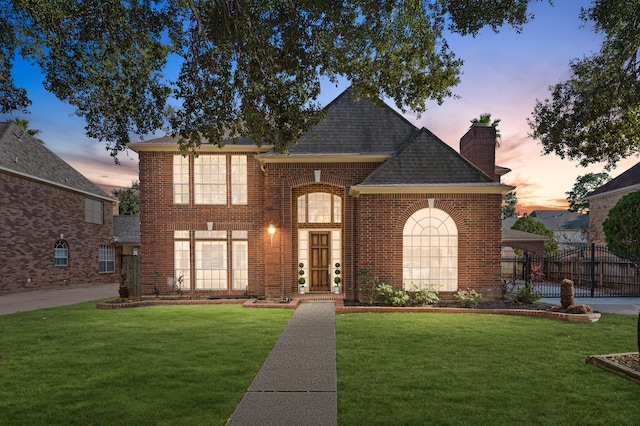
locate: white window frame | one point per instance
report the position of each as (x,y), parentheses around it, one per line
(239,185)
(239,260)
(319,207)
(61,253)
(210,179)
(180,179)
(182,258)
(430,251)
(106,259)
(211,260)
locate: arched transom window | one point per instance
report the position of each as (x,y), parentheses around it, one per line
(61,253)
(430,250)
(319,207)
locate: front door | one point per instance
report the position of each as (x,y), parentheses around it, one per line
(319,271)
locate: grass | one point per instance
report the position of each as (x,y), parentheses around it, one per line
(190,365)
(459,369)
(187,365)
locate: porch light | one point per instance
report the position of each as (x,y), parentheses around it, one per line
(271,230)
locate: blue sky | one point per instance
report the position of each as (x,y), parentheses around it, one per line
(503,74)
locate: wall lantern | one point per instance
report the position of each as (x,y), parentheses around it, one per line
(271,230)
(209,226)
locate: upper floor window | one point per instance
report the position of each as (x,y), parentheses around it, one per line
(180,179)
(214,178)
(93,211)
(319,207)
(61,253)
(210,179)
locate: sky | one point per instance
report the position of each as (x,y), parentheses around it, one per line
(503,74)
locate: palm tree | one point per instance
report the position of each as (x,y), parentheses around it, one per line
(24,125)
(486,119)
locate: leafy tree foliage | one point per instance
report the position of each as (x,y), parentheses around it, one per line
(247,68)
(595,115)
(622,226)
(585,184)
(129,199)
(24,125)
(509,201)
(527,224)
(485,118)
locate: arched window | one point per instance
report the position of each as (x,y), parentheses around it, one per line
(430,250)
(61,253)
(319,207)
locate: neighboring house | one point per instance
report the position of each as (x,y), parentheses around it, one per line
(569,229)
(604,198)
(363,189)
(55,225)
(126,234)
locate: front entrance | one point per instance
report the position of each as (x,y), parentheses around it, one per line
(319,261)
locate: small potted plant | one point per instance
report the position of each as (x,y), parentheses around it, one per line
(337,279)
(301,279)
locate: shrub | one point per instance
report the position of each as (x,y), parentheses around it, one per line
(392,296)
(468,298)
(527,295)
(370,285)
(421,295)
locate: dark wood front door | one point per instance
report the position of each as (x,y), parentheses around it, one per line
(319,261)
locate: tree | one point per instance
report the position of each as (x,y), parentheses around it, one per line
(594,115)
(24,125)
(246,68)
(509,201)
(622,226)
(585,184)
(527,224)
(128,199)
(485,119)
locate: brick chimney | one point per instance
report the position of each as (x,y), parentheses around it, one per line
(478,146)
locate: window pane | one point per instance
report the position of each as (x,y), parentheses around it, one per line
(182,263)
(238,179)
(181,235)
(337,209)
(210,179)
(319,206)
(61,254)
(211,265)
(430,250)
(240,265)
(180,179)
(302,209)
(106,258)
(93,211)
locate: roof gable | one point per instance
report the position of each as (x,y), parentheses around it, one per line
(357,126)
(22,154)
(627,179)
(426,160)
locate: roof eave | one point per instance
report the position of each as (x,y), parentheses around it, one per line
(58,185)
(173,147)
(322,158)
(470,188)
(613,191)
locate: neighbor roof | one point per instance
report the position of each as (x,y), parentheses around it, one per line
(561,220)
(126,229)
(22,154)
(627,180)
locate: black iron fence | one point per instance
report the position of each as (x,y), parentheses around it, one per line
(595,271)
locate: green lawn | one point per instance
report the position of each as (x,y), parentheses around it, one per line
(466,369)
(190,365)
(174,365)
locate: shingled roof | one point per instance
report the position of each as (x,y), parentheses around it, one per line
(355,126)
(426,160)
(22,154)
(126,229)
(628,179)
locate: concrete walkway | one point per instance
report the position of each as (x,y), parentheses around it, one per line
(610,305)
(50,298)
(297,383)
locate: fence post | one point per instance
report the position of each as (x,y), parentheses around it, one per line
(593,269)
(527,268)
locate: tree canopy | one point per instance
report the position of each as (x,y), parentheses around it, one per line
(247,68)
(485,118)
(527,224)
(509,201)
(128,199)
(584,185)
(622,226)
(594,116)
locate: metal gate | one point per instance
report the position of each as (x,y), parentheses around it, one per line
(130,270)
(595,271)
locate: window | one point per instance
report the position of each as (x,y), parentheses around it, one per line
(240,260)
(106,258)
(430,250)
(180,179)
(214,269)
(93,211)
(319,207)
(238,179)
(210,179)
(61,253)
(182,258)
(211,260)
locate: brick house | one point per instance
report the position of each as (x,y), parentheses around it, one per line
(55,225)
(604,198)
(363,189)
